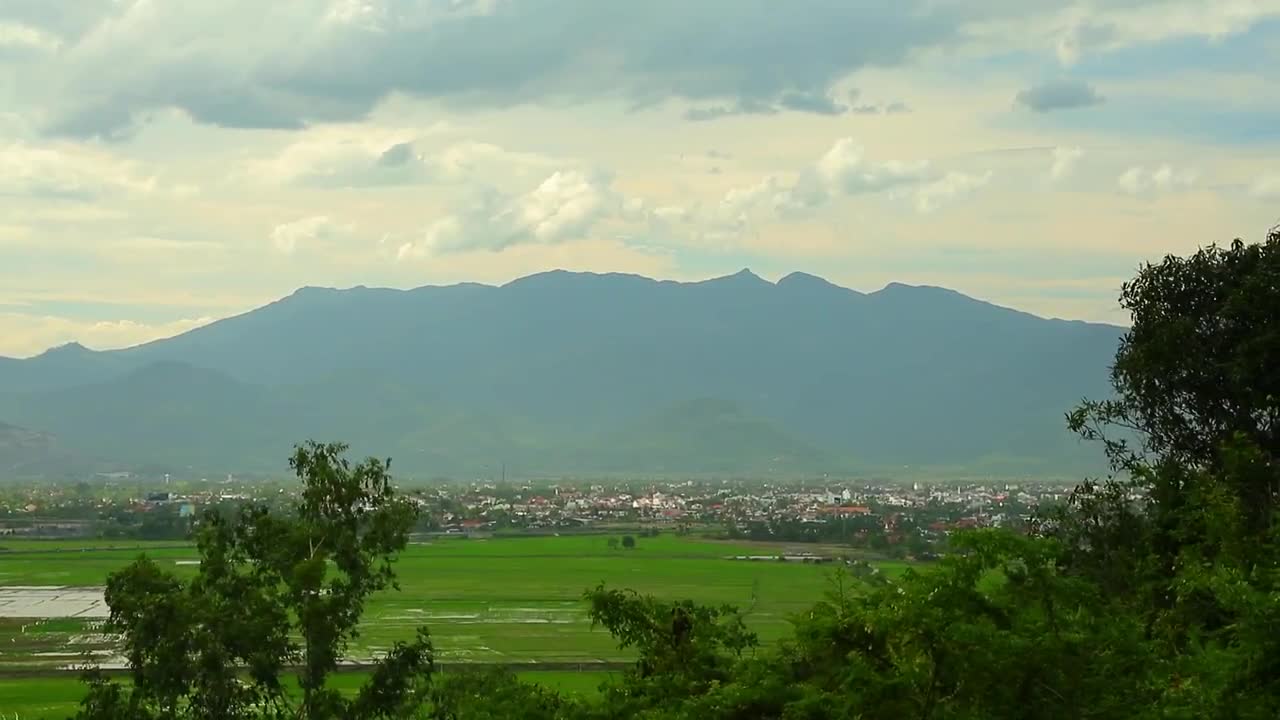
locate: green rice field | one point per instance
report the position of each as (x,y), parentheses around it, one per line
(502,600)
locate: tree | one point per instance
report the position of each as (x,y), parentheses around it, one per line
(1185,538)
(492,695)
(612,543)
(274,592)
(684,648)
(628,542)
(1199,367)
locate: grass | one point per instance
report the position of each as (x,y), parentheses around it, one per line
(509,600)
(502,600)
(42,698)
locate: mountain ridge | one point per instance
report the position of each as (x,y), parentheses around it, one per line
(791,278)
(564,372)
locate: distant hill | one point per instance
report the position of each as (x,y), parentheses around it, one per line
(26,454)
(579,373)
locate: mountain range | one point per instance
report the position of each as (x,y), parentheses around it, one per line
(578,373)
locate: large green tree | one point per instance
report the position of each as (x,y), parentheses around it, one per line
(1186,535)
(275,594)
(1199,370)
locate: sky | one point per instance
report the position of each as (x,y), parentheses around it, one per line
(164,163)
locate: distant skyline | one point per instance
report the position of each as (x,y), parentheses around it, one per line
(163,164)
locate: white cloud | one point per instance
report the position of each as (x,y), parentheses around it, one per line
(1266,187)
(67,172)
(348,156)
(19,37)
(30,334)
(1138,180)
(298,234)
(1064,162)
(352,156)
(164,245)
(844,170)
(1074,29)
(932,195)
(563,207)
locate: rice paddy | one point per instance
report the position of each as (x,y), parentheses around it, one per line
(509,600)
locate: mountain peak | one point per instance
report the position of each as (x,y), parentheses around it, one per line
(806,285)
(566,278)
(71,349)
(312,291)
(742,278)
(899,288)
(799,277)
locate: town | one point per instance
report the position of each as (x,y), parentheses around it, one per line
(903,520)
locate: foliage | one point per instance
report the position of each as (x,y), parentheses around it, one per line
(273,592)
(684,648)
(491,695)
(1200,367)
(1186,537)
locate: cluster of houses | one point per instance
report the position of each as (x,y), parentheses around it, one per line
(492,506)
(486,506)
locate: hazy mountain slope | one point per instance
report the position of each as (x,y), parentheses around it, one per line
(706,435)
(26,453)
(166,412)
(559,370)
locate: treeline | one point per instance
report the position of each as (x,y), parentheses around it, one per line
(1154,593)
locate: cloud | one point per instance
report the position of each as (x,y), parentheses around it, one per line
(1082,36)
(1073,30)
(812,103)
(845,168)
(306,61)
(1165,178)
(147,244)
(931,195)
(843,171)
(346,157)
(68,172)
(298,234)
(350,157)
(816,103)
(23,334)
(1064,162)
(18,38)
(563,207)
(1058,95)
(302,62)
(807,102)
(742,107)
(1266,187)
